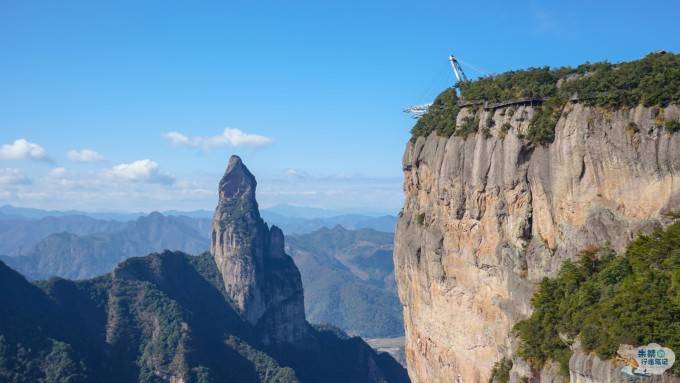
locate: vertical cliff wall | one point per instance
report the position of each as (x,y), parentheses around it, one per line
(487,217)
(261,280)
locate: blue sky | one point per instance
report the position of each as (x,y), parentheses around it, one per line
(311,90)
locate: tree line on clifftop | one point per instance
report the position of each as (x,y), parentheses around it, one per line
(653,80)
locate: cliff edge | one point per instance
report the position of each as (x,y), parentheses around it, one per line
(488,215)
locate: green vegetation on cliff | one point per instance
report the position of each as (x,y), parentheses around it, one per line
(542,125)
(441,117)
(500,373)
(527,83)
(653,80)
(606,300)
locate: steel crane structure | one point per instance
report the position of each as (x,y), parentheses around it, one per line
(417,111)
(457,70)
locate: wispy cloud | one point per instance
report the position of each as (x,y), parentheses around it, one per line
(339,190)
(139,171)
(295,173)
(145,185)
(229,137)
(58,172)
(22,149)
(10,177)
(84,155)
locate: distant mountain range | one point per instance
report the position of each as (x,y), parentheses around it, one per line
(307,212)
(291,219)
(88,254)
(290,211)
(346,267)
(25,212)
(291,225)
(348,277)
(19,234)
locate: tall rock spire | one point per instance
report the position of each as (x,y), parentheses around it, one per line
(261,280)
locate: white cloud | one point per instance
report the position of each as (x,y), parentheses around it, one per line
(22,149)
(139,171)
(142,186)
(177,138)
(296,173)
(9,176)
(229,137)
(58,172)
(62,179)
(84,155)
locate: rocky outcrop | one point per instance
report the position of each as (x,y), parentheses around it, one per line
(589,368)
(487,217)
(262,282)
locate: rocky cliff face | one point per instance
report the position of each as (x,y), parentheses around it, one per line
(487,217)
(262,281)
(588,368)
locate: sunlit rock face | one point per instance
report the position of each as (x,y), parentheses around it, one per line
(487,217)
(262,282)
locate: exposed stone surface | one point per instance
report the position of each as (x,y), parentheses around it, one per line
(261,280)
(588,368)
(485,219)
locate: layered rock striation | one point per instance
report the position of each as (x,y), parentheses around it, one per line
(487,217)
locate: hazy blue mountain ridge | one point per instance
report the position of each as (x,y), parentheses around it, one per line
(349,280)
(76,257)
